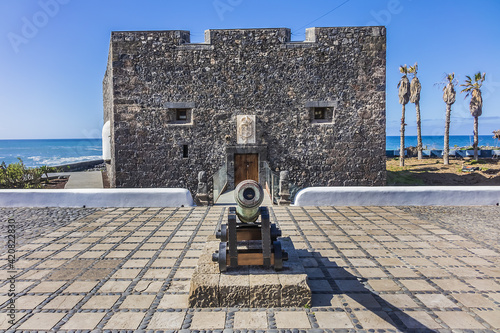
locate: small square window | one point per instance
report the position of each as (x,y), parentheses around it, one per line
(319,113)
(181,114)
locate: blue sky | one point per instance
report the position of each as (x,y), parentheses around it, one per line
(53,52)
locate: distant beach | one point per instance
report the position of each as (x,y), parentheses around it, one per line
(66,151)
(50,152)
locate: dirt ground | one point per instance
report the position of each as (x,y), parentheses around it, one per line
(431,171)
(55,183)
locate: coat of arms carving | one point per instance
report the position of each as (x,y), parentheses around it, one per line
(246,129)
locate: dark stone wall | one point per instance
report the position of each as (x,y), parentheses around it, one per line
(248,72)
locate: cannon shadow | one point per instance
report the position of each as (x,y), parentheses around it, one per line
(341,283)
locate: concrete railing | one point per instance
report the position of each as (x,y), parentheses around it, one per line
(399,196)
(157,197)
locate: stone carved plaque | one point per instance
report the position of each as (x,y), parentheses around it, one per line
(245,129)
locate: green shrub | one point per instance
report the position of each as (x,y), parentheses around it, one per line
(17,175)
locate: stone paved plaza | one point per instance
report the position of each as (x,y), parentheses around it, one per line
(370,268)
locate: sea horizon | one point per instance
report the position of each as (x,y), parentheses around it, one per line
(56,152)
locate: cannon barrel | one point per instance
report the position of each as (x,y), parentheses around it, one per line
(248,195)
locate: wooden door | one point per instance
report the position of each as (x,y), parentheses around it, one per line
(246,166)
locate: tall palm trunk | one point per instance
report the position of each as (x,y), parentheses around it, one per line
(449,95)
(415,88)
(402,143)
(476,139)
(404,98)
(419,130)
(446,153)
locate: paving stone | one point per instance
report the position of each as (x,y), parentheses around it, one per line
(474,300)
(320,286)
(417,285)
(384,285)
(326,300)
(418,320)
(491,317)
(63,302)
(361,301)
(333,320)
(208,320)
(124,320)
(126,274)
(458,320)
(174,301)
(292,319)
(436,301)
(374,320)
(483,285)
(42,321)
(80,287)
(83,321)
(137,302)
(399,300)
(48,287)
(29,302)
(372,272)
(167,320)
(250,320)
(113,286)
(101,302)
(451,285)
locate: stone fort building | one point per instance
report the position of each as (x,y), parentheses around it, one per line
(246,100)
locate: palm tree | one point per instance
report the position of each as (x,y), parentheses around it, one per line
(404,97)
(415,88)
(449,98)
(476,102)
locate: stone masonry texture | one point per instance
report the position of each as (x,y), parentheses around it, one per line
(257,72)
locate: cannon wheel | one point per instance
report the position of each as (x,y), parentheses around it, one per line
(222,257)
(266,235)
(275,232)
(223,233)
(278,256)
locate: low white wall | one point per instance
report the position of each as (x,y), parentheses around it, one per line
(157,197)
(399,196)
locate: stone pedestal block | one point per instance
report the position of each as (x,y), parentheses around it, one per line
(249,286)
(234,290)
(204,292)
(265,291)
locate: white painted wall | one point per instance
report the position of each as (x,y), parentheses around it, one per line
(399,196)
(97,198)
(106,141)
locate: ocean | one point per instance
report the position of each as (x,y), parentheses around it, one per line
(66,151)
(437,142)
(50,152)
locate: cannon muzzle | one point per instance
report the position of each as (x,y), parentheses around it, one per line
(248,195)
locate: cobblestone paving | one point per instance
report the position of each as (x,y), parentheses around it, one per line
(480,223)
(33,222)
(370,269)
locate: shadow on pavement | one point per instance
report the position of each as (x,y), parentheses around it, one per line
(345,283)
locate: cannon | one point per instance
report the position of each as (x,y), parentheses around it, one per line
(246,240)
